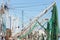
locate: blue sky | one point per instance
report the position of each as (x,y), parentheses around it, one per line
(31,8)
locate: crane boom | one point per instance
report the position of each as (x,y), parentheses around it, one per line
(36,18)
(41,14)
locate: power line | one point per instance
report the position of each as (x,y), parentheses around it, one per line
(29,3)
(22,3)
(30,6)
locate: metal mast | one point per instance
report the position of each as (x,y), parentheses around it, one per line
(22,19)
(54,32)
